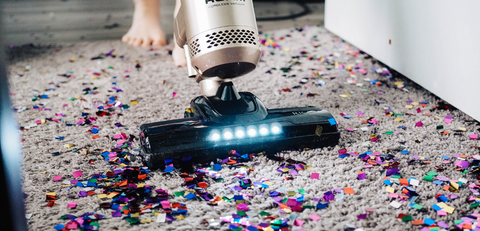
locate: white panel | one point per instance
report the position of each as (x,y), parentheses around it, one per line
(435,43)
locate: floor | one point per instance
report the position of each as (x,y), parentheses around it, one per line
(54,21)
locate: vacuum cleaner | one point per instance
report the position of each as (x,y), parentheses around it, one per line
(221,42)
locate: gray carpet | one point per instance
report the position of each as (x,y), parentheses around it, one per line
(37,70)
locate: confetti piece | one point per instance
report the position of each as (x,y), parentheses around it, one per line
(395,204)
(314,176)
(474,137)
(419,124)
(314,217)
(348,190)
(57,178)
(72,205)
(77,174)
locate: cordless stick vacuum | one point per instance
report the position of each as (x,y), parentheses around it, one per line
(221,42)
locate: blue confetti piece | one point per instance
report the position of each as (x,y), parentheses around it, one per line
(428,221)
(217,167)
(322,205)
(438,182)
(442,198)
(387,182)
(94,130)
(436,207)
(59,227)
(44,96)
(446,157)
(347,117)
(169,169)
(238,198)
(190,196)
(332,121)
(343,156)
(251,228)
(405,152)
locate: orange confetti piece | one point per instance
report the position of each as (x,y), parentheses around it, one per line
(446,187)
(349,190)
(95,137)
(404,182)
(417,222)
(202,185)
(142,176)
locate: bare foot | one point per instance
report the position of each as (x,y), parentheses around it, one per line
(178,55)
(146,29)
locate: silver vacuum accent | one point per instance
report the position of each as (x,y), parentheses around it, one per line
(220,38)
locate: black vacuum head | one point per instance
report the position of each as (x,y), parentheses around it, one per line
(210,130)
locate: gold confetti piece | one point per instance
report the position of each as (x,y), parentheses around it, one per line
(112,195)
(415,103)
(409,106)
(146,221)
(398,119)
(135,214)
(390,189)
(51,194)
(101,196)
(68,145)
(42,121)
(286,49)
(78,97)
(141,185)
(43,172)
(268,183)
(462,129)
(345,95)
(436,117)
(448,209)
(398,83)
(73,59)
(133,102)
(180,217)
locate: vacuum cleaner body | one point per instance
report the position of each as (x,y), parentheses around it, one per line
(220,39)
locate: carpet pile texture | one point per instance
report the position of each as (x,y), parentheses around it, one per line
(309,66)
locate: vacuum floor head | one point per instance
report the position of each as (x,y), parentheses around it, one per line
(212,127)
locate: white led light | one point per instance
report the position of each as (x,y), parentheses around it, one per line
(276,128)
(215,135)
(263,130)
(227,134)
(251,131)
(239,133)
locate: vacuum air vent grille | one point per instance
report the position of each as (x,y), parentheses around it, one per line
(224,37)
(232,36)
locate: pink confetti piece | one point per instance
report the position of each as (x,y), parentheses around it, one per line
(441,213)
(165,204)
(298,222)
(72,225)
(72,205)
(419,110)
(57,178)
(314,217)
(314,176)
(293,172)
(77,174)
(419,124)
(174,94)
(474,137)
(393,195)
(370,210)
(448,121)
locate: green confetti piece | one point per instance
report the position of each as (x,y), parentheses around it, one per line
(439,127)
(431,173)
(92,180)
(34,99)
(417,206)
(434,229)
(94,223)
(407,218)
(464,171)
(291,193)
(263,213)
(277,222)
(219,180)
(179,194)
(301,191)
(398,114)
(428,178)
(474,205)
(389,133)
(457,221)
(238,229)
(396,176)
(72,99)
(285,200)
(308,206)
(132,220)
(125,106)
(241,213)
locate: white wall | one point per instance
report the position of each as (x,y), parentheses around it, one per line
(435,43)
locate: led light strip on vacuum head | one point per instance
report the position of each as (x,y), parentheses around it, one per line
(240,132)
